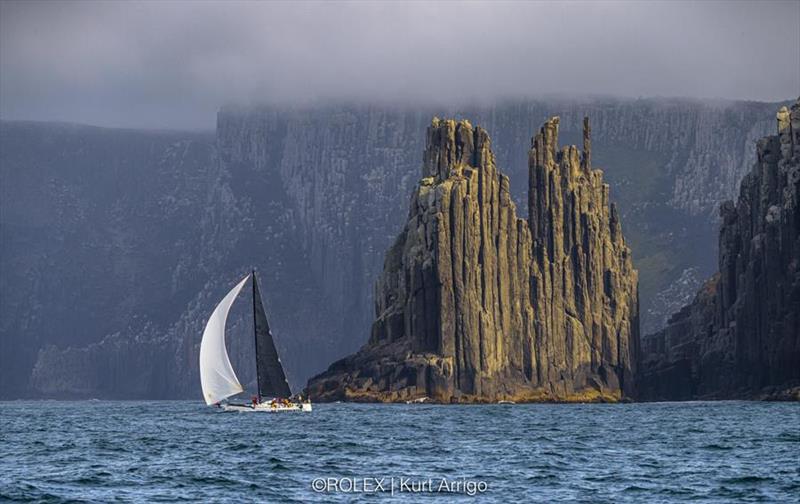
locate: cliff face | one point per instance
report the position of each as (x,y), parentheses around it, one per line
(96,226)
(115,242)
(346,171)
(477,304)
(741,335)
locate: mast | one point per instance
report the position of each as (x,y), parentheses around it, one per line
(255,335)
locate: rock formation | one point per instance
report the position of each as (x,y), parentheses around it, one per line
(477,304)
(144,231)
(741,335)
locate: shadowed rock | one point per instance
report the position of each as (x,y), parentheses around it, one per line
(740,337)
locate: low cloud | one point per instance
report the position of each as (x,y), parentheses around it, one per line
(172,64)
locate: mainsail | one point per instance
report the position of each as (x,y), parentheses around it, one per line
(216,373)
(271,378)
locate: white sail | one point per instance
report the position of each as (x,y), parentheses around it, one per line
(216,373)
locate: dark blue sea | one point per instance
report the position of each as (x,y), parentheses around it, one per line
(99,451)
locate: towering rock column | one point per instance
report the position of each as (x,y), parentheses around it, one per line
(455,282)
(583,284)
(476,304)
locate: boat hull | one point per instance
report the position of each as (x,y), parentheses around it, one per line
(267,407)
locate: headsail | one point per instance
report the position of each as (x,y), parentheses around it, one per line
(216,373)
(271,378)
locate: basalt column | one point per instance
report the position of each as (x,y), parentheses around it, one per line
(583,285)
(477,304)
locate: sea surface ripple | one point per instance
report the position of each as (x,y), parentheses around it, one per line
(162,451)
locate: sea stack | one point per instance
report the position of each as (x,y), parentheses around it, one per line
(476,304)
(740,337)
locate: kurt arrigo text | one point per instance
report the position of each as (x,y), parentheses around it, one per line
(398,484)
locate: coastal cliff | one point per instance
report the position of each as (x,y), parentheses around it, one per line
(740,337)
(477,304)
(146,230)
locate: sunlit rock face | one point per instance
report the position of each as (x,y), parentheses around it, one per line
(740,337)
(478,304)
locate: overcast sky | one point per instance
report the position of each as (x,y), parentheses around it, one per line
(172,65)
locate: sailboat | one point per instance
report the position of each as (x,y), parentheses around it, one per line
(217,378)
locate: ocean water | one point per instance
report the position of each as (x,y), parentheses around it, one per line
(100,451)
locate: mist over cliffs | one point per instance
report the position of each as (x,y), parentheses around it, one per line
(117,243)
(740,336)
(476,304)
